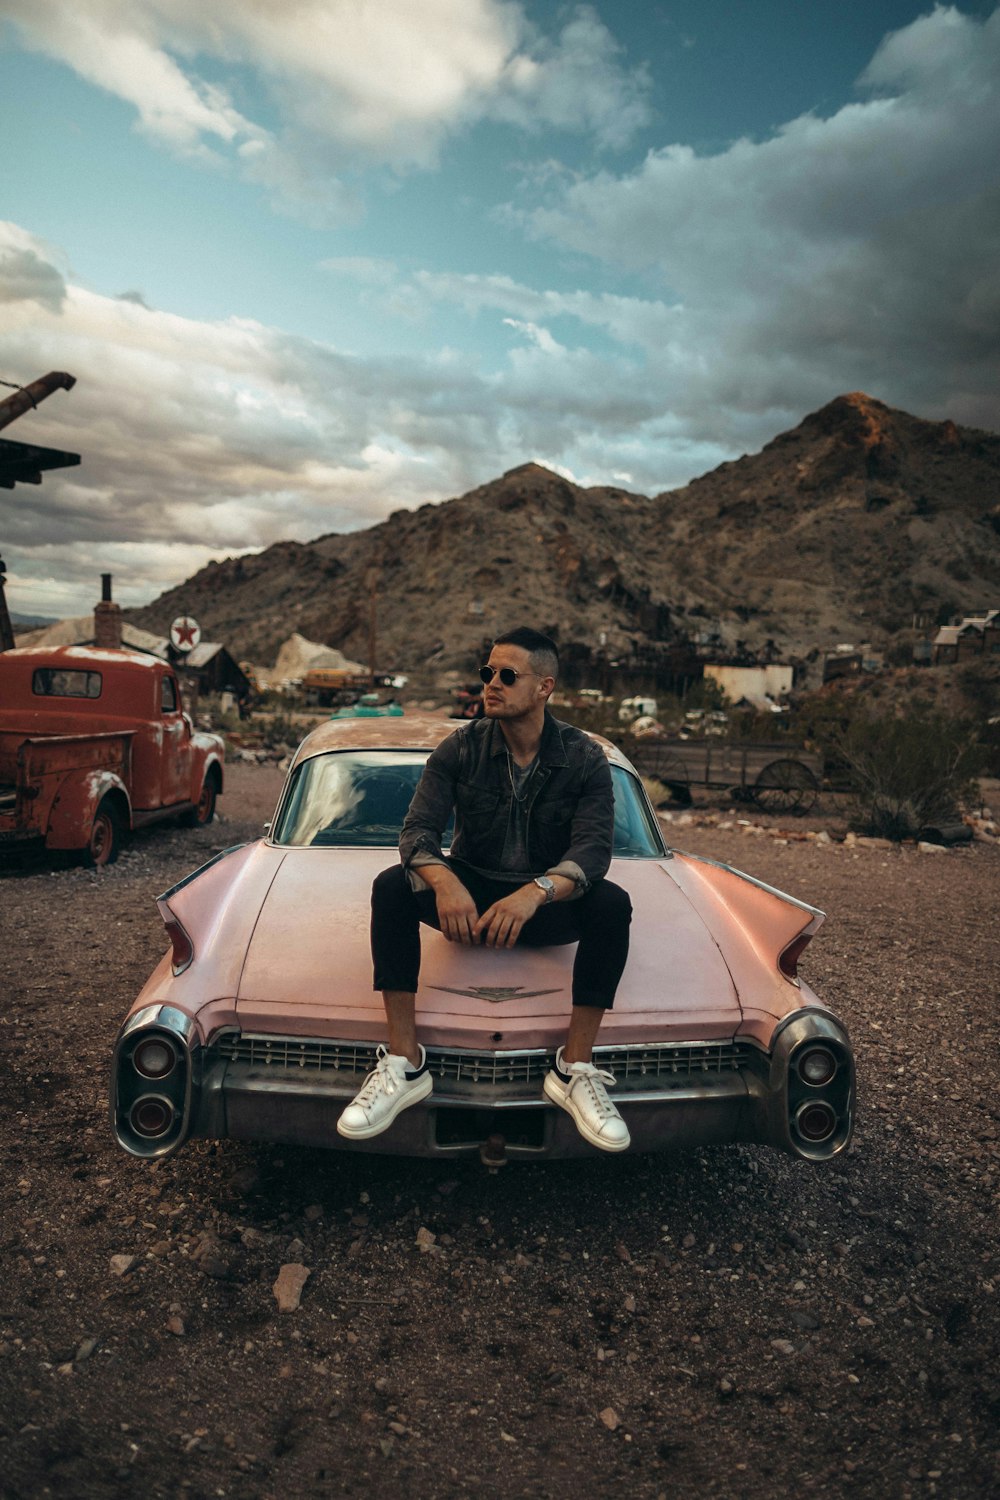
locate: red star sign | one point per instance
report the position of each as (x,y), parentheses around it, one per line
(185,631)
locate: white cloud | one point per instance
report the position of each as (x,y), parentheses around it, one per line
(859,250)
(645,323)
(352,84)
(121,52)
(539,336)
(200,439)
(64,581)
(576,82)
(28,270)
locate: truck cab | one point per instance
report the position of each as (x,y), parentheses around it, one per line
(93,742)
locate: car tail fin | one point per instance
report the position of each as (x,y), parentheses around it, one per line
(745,914)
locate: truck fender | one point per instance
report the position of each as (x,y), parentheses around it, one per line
(214,761)
(210,759)
(75,804)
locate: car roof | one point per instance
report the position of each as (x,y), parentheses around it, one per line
(81,657)
(419,731)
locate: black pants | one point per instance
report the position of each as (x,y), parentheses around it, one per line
(598,920)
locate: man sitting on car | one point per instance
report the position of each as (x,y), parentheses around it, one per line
(511,877)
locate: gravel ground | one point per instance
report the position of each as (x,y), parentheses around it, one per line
(709,1323)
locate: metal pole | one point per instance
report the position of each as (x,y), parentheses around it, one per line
(372,622)
(27,397)
(6,628)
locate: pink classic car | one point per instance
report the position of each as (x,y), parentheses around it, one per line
(260,1022)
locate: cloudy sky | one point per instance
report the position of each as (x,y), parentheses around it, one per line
(313,263)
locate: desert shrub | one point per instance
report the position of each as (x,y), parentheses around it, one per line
(279,732)
(907,772)
(979,682)
(900,654)
(989,741)
(705,694)
(658,794)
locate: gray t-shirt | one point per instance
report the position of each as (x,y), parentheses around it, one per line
(514,860)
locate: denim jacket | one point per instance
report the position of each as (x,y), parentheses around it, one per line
(569,797)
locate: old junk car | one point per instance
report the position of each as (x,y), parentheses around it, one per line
(94,742)
(260,1022)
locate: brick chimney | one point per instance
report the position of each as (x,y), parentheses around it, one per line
(107,618)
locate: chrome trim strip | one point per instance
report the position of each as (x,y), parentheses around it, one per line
(824,1025)
(772,890)
(179,1021)
(167,1016)
(222,854)
(241,1082)
(630,1063)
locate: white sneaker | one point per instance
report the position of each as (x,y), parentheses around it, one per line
(390,1087)
(583,1096)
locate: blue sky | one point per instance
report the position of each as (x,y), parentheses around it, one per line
(313,264)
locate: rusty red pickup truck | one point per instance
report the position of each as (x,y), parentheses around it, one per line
(94,742)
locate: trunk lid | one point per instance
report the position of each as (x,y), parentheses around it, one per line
(308,967)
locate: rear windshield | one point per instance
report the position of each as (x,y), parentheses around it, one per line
(350,798)
(361,798)
(62,682)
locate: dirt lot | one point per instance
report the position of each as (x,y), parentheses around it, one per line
(711,1323)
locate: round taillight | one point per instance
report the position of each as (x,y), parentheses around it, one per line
(151,1117)
(816,1122)
(816,1065)
(154,1058)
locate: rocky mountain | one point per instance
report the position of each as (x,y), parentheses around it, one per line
(30,622)
(855,521)
(841,529)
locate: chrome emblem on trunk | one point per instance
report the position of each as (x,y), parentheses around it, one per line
(495,994)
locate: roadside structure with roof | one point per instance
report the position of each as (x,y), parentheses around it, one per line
(972,636)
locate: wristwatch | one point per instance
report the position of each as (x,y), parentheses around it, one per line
(548,886)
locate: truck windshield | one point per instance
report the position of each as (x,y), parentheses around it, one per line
(60,682)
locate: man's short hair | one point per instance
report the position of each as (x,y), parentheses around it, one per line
(541,648)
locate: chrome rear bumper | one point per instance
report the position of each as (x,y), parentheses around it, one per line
(291,1090)
(456,1122)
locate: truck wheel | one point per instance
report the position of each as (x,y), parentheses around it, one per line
(105,842)
(204,809)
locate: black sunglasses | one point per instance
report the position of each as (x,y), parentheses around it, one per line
(507,675)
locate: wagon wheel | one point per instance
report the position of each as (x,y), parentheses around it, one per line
(662,764)
(785,786)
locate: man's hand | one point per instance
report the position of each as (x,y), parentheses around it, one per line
(500,925)
(455,907)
